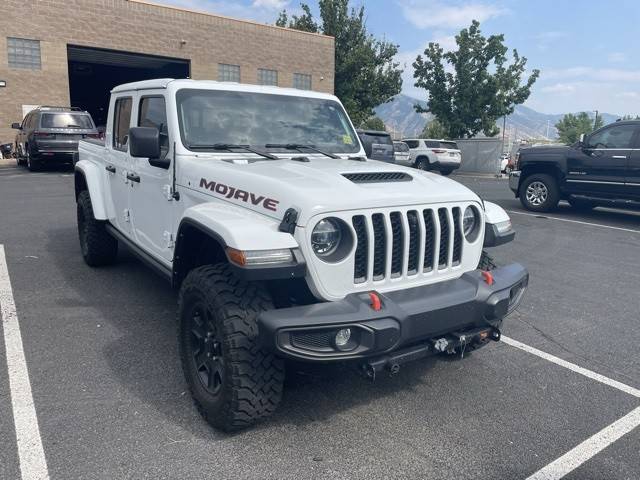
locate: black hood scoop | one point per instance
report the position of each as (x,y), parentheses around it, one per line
(378,177)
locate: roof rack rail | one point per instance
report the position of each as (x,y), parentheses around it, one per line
(57,107)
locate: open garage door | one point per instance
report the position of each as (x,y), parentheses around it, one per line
(93,72)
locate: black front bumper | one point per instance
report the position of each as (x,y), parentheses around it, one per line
(407,317)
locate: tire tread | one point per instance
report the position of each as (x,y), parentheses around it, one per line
(257,376)
(102,248)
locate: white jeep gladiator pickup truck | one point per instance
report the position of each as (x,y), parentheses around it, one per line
(284,241)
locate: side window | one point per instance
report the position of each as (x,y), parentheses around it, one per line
(412,143)
(121,123)
(618,136)
(432,144)
(153,113)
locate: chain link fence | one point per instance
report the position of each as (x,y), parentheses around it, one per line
(480,155)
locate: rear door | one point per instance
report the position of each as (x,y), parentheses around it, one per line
(150,202)
(117,161)
(599,166)
(413,145)
(21,137)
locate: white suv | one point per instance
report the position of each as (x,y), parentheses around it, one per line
(441,155)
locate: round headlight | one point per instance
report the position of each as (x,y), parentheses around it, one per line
(469,222)
(325,237)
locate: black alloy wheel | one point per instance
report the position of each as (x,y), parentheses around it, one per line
(206,349)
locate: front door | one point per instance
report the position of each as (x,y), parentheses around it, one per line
(151,203)
(633,171)
(117,162)
(599,165)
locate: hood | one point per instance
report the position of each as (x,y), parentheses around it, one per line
(321,185)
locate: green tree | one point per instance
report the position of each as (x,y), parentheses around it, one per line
(630,117)
(373,123)
(366,74)
(470,88)
(572,126)
(304,22)
(434,129)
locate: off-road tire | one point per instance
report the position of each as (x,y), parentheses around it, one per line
(97,245)
(487,262)
(250,380)
(551,195)
(581,204)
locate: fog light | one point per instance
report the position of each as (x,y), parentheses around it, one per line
(342,337)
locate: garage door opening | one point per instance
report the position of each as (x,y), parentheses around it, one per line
(93,72)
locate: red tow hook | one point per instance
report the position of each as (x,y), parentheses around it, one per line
(488,278)
(376,303)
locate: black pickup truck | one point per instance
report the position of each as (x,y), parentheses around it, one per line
(602,168)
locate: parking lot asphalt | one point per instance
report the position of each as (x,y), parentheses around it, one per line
(111,402)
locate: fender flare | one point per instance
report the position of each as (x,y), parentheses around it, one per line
(230,226)
(238,227)
(91,175)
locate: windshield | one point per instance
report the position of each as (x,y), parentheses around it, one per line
(66,120)
(209,117)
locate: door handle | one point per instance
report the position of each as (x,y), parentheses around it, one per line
(133,177)
(110,168)
(618,156)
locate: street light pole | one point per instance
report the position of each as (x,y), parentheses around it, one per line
(504,129)
(595,120)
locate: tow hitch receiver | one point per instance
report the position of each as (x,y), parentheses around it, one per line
(453,343)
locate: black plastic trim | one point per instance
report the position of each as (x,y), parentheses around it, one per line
(493,238)
(407,316)
(152,262)
(273,272)
(250,273)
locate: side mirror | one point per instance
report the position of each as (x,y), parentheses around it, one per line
(144,142)
(16,126)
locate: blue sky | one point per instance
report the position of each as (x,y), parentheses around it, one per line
(587,50)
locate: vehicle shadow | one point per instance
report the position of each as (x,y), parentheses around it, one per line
(141,307)
(615,217)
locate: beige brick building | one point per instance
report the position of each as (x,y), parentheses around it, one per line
(72,52)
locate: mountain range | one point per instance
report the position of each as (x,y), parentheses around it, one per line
(401,119)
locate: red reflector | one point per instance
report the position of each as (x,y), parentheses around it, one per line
(376,303)
(488,278)
(436,150)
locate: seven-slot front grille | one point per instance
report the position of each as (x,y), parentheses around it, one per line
(405,243)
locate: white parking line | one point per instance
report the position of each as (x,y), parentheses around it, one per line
(574,221)
(33,464)
(589,448)
(572,366)
(596,443)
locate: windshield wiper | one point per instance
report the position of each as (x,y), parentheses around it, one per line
(301,146)
(231,147)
